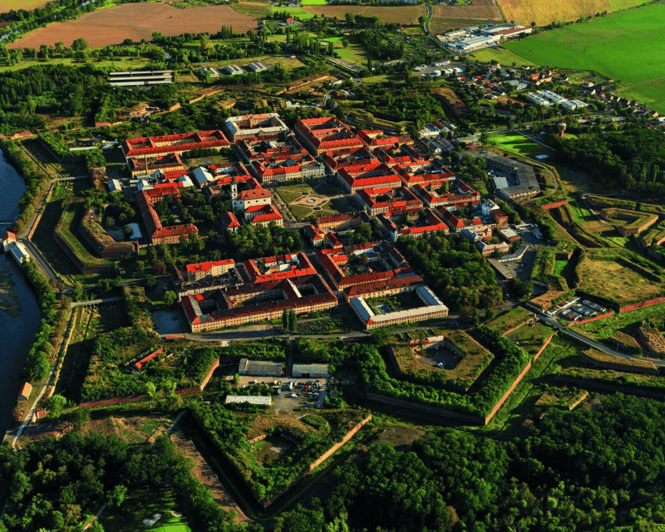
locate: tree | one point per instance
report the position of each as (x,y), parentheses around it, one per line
(80,44)
(150,390)
(56,404)
(151,282)
(170,297)
(116,497)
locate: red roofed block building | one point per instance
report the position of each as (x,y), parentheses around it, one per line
(253,149)
(252,195)
(315,235)
(257,302)
(382,200)
(229,221)
(288,168)
(339,222)
(278,268)
(435,195)
(264,215)
(357,178)
(164,163)
(152,356)
(326,134)
(378,139)
(385,262)
(396,226)
(157,233)
(261,126)
(413,174)
(201,270)
(352,157)
(381,288)
(179,143)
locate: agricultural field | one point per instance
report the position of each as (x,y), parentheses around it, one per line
(314,2)
(28,5)
(516,143)
(479,10)
(624,46)
(296,12)
(253,9)
(137,21)
(398,14)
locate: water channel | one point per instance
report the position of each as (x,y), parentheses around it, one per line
(16,333)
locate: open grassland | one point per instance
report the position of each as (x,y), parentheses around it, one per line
(28,5)
(627,47)
(509,319)
(137,21)
(297,12)
(505,57)
(614,280)
(399,14)
(314,2)
(625,322)
(516,143)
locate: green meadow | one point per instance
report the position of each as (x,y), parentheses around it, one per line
(628,47)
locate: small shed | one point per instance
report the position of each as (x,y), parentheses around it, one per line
(24,392)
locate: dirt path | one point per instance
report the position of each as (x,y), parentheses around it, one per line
(205,475)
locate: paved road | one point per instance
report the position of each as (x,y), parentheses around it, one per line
(41,262)
(600,347)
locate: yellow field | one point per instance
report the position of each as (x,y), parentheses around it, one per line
(28,5)
(542,13)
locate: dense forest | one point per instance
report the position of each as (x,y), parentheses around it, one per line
(597,468)
(56,483)
(632,158)
(455,270)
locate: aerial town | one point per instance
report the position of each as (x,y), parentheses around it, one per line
(329,265)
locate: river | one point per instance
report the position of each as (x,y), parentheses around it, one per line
(17,333)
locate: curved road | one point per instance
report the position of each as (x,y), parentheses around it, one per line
(592,343)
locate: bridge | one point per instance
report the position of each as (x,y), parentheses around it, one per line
(97,302)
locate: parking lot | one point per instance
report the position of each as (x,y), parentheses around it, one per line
(284,400)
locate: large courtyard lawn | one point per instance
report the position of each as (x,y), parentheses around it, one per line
(504,57)
(520,145)
(627,47)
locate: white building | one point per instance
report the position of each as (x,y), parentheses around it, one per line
(234,70)
(259,400)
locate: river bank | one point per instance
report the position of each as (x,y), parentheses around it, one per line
(21,320)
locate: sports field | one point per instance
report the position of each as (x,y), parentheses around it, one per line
(516,143)
(627,47)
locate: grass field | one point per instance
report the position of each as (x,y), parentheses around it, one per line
(510,319)
(297,12)
(609,278)
(627,47)
(520,145)
(313,2)
(505,57)
(624,322)
(398,14)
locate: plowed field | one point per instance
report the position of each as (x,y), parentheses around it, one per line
(445,17)
(399,14)
(136,22)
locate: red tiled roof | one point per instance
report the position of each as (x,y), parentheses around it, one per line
(139,365)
